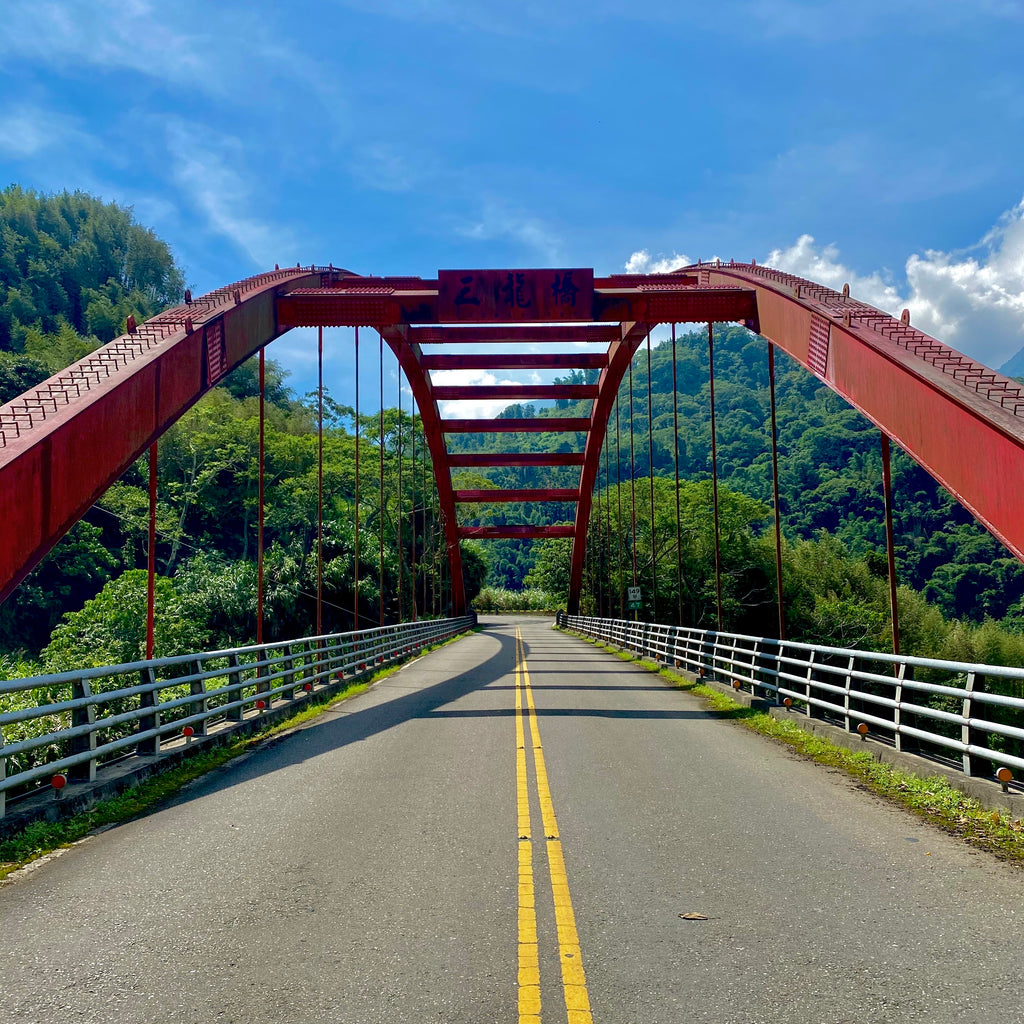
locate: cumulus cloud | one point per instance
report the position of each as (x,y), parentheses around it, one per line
(472,408)
(972,299)
(823,265)
(641,262)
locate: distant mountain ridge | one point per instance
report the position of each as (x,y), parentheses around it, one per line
(1014,366)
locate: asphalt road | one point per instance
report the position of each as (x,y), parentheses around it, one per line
(392,862)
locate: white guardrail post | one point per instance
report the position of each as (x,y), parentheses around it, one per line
(201,705)
(147,723)
(235,714)
(83,771)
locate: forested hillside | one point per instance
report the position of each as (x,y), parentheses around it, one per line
(72,269)
(829,467)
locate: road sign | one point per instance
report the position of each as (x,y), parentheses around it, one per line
(634,606)
(632,594)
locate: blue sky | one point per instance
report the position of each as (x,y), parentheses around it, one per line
(870,142)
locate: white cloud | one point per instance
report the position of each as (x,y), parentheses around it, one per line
(208,174)
(823,266)
(228,51)
(972,299)
(471,408)
(498,221)
(641,262)
(125,34)
(382,166)
(26,131)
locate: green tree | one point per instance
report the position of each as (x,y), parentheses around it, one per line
(110,628)
(18,373)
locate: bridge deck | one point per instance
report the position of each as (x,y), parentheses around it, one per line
(367,868)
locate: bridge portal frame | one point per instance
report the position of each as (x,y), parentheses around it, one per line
(64,442)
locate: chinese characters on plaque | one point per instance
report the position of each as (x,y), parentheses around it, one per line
(510,295)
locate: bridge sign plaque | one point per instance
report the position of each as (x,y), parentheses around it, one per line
(499,296)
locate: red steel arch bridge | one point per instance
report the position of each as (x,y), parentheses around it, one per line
(64,442)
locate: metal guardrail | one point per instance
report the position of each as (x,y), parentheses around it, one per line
(84,719)
(953,711)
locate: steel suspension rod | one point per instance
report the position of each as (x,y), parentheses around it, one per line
(775,494)
(260,500)
(650,481)
(618,495)
(714,474)
(151,554)
(355,599)
(675,453)
(889,543)
(380,520)
(401,508)
(632,476)
(320,482)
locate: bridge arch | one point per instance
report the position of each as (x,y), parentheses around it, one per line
(64,442)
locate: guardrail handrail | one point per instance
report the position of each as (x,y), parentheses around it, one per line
(837,684)
(249,679)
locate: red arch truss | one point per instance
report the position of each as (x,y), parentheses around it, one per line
(63,443)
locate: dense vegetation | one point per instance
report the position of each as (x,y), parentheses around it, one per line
(73,268)
(961,593)
(207,539)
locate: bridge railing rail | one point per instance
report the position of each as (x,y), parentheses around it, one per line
(72,722)
(971,715)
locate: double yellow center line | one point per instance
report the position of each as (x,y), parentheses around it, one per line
(574,982)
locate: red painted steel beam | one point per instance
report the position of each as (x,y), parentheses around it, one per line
(962,421)
(620,354)
(64,442)
(647,282)
(411,360)
(371,307)
(514,532)
(682,306)
(496,494)
(463,392)
(567,335)
(516,459)
(379,302)
(517,361)
(541,425)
